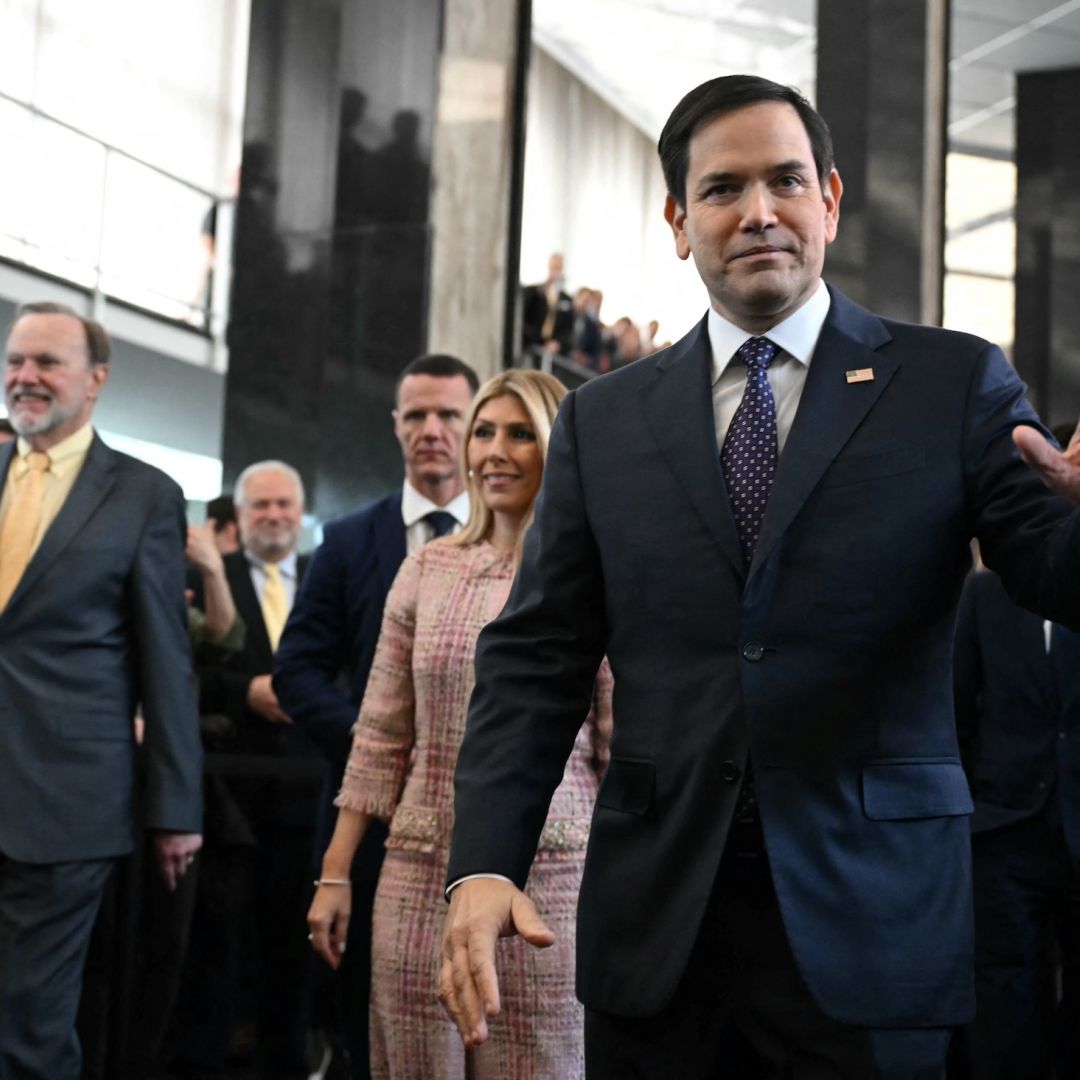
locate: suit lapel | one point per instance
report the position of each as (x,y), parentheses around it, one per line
(238,571)
(390,546)
(91,487)
(679,414)
(829,411)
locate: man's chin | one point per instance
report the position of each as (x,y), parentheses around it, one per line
(33,425)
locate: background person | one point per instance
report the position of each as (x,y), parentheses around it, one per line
(322,663)
(401,767)
(92,625)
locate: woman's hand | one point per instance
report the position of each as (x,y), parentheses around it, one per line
(328,920)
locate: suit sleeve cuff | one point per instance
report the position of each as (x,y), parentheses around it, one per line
(472,877)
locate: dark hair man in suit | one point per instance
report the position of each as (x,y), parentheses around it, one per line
(92,624)
(766,529)
(322,665)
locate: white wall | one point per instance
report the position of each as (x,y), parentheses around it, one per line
(594,191)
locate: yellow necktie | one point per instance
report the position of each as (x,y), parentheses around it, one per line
(21,524)
(275,605)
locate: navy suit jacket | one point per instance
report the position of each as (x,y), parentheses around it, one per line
(828,660)
(96,626)
(1017,713)
(322,663)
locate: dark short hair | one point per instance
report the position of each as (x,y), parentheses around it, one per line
(221,511)
(442,366)
(97,340)
(726,94)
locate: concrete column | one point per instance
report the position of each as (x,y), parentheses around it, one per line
(477,162)
(882,86)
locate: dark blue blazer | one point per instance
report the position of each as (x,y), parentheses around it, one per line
(326,651)
(828,660)
(1017,713)
(95,628)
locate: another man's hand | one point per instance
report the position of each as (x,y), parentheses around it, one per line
(1060,469)
(482,910)
(175,852)
(262,700)
(201,550)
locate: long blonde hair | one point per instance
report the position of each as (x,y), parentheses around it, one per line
(539,394)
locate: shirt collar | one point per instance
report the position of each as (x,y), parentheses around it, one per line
(414,506)
(286,567)
(66,455)
(797,335)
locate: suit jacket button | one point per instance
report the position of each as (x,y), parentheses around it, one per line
(753,651)
(729,771)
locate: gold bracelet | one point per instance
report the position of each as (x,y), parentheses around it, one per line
(332,881)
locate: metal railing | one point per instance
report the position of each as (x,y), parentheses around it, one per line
(85,211)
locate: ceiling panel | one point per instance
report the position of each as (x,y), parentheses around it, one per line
(642,55)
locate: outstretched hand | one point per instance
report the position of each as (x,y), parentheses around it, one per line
(1060,469)
(482,910)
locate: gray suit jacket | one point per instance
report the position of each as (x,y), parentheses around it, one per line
(96,626)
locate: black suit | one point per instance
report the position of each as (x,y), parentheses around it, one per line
(95,627)
(826,661)
(255,883)
(1018,717)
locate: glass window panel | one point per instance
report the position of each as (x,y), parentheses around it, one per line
(982,306)
(154,254)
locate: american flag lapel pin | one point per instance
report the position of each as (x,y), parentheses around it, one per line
(865,374)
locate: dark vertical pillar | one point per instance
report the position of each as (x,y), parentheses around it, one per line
(882,86)
(330,283)
(1047,350)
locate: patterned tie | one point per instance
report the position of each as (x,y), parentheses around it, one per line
(21,524)
(275,604)
(749,453)
(442,523)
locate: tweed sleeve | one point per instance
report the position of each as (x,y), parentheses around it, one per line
(384,733)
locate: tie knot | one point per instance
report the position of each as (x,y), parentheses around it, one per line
(756,352)
(272,570)
(442,522)
(38,461)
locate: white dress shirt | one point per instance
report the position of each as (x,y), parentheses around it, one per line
(413,508)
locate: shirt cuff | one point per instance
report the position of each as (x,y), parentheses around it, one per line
(472,877)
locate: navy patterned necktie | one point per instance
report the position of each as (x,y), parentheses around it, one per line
(749,453)
(441,521)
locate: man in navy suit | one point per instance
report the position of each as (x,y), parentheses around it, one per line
(322,663)
(92,625)
(1017,683)
(765,528)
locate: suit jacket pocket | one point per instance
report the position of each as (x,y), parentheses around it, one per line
(628,786)
(904,788)
(857,468)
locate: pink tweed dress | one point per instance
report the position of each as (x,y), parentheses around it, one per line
(401,769)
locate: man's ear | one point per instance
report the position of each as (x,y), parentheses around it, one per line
(99,376)
(830,194)
(675,216)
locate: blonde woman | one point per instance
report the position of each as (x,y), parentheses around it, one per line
(401,769)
